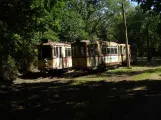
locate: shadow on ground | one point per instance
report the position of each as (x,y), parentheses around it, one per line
(125,100)
(74,74)
(57,74)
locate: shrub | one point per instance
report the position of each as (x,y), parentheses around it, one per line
(10,70)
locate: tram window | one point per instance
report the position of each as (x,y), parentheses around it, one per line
(112,51)
(58,51)
(69,52)
(124,51)
(66,52)
(93,50)
(108,51)
(104,50)
(57,54)
(46,52)
(119,50)
(82,51)
(55,51)
(115,50)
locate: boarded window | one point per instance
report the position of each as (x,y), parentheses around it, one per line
(74,51)
(45,52)
(78,50)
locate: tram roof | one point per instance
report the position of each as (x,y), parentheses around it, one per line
(55,43)
(97,42)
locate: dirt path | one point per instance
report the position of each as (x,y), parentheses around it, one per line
(111,75)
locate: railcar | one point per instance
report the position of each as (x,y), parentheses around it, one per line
(54,56)
(92,54)
(122,53)
(85,54)
(111,53)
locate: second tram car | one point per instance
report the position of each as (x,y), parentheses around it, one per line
(91,54)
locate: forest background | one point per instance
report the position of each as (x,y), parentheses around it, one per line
(24,23)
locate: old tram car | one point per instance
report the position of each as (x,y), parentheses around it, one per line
(54,56)
(91,54)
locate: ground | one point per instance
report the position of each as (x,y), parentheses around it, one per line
(115,94)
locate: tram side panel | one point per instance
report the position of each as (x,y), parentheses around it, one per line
(52,56)
(79,53)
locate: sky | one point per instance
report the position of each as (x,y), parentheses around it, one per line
(134,3)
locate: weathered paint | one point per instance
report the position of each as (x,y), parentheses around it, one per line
(41,64)
(56,62)
(97,60)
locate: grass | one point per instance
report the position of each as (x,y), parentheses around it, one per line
(142,76)
(125,69)
(136,73)
(151,74)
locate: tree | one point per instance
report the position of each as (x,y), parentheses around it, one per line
(152,8)
(21,25)
(153,5)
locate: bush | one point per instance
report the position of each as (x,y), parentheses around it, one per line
(10,70)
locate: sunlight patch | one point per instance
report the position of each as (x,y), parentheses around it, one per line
(138,89)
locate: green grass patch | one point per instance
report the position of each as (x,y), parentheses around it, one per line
(150,74)
(142,76)
(127,70)
(158,70)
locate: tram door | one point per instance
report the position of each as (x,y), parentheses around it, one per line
(59,57)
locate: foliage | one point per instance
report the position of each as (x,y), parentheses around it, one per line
(143,28)
(152,5)
(10,69)
(24,23)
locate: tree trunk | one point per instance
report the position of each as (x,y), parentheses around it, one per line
(1,71)
(126,36)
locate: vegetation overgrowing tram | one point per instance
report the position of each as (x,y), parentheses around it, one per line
(84,55)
